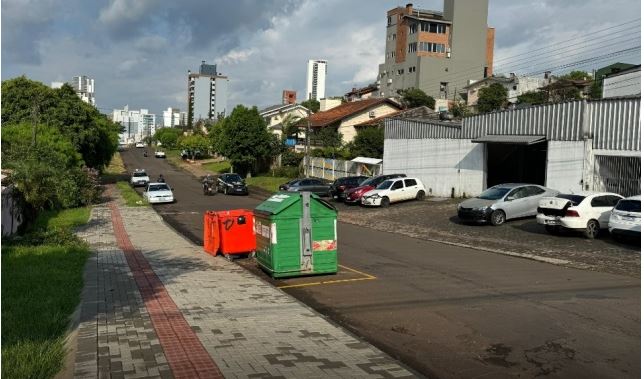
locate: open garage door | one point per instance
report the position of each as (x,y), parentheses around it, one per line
(515,159)
(617,174)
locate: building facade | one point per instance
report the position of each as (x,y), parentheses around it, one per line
(316,79)
(137,124)
(84,87)
(171,118)
(438,52)
(623,83)
(277,115)
(572,146)
(289,97)
(207,93)
(515,85)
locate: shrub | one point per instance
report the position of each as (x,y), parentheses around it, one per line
(292,158)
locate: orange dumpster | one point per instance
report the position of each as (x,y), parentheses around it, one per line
(211,238)
(236,231)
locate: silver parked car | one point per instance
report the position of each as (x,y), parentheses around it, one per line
(503,202)
(319,187)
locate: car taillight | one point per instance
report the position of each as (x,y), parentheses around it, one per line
(341,188)
(571,213)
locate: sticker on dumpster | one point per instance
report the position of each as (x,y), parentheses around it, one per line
(324,245)
(278,198)
(266,231)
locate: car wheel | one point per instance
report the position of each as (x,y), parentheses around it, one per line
(384,202)
(553,229)
(497,217)
(420,196)
(592,229)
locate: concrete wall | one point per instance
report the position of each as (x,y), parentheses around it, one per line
(627,84)
(565,166)
(441,164)
(347,128)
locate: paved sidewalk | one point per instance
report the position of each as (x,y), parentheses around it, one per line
(248,328)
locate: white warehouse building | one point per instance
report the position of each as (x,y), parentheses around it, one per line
(571,146)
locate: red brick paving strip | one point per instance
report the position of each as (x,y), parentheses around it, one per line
(185,354)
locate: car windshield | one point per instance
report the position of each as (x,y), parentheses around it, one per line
(629,206)
(158,187)
(385,185)
(139,174)
(494,193)
(233,178)
(574,199)
(372,181)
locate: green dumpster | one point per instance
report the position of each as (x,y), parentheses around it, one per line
(296,235)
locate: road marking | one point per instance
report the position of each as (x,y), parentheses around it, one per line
(366,277)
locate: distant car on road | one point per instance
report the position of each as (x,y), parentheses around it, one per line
(393,191)
(354,195)
(231,184)
(585,211)
(317,186)
(503,202)
(159,154)
(626,218)
(157,193)
(139,178)
(340,186)
(139,145)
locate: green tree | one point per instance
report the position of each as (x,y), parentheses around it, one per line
(460,109)
(312,104)
(167,136)
(246,141)
(532,98)
(215,135)
(596,90)
(416,97)
(326,137)
(194,143)
(369,142)
(577,75)
(492,98)
(291,126)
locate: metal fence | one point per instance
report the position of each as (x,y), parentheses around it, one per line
(617,174)
(332,169)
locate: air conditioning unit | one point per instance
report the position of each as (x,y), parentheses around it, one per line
(372,114)
(389,81)
(449,52)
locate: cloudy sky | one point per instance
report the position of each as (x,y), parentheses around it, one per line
(139,51)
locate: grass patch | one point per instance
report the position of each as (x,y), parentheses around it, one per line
(62,218)
(132,198)
(115,171)
(217,167)
(269,183)
(41,287)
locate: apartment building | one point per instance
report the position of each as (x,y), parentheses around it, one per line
(171,117)
(137,124)
(207,93)
(438,52)
(84,87)
(316,79)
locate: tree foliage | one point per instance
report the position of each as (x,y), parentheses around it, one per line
(194,143)
(460,109)
(169,137)
(312,104)
(369,142)
(532,98)
(326,137)
(245,140)
(416,97)
(492,98)
(577,75)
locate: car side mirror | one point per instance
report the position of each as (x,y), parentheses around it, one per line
(510,198)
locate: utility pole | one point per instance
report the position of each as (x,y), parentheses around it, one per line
(308,139)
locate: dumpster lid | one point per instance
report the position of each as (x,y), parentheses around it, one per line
(282,200)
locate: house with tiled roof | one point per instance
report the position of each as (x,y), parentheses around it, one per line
(276,115)
(347,116)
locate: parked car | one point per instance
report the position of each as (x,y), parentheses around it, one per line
(340,186)
(317,186)
(139,145)
(503,202)
(139,178)
(585,211)
(626,218)
(393,191)
(159,154)
(186,153)
(354,195)
(231,184)
(157,193)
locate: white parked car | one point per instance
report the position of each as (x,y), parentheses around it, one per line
(585,211)
(626,218)
(158,193)
(394,190)
(139,178)
(139,144)
(159,154)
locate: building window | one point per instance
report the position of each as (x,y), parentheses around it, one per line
(393,36)
(443,90)
(413,28)
(431,47)
(411,48)
(388,20)
(432,27)
(412,69)
(401,71)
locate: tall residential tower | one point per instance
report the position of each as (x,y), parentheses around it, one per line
(315,79)
(207,93)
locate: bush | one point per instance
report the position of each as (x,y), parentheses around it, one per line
(55,236)
(292,158)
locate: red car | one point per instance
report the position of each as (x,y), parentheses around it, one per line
(354,195)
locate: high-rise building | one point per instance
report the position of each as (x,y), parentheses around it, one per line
(438,52)
(84,87)
(289,96)
(171,117)
(315,79)
(137,124)
(207,93)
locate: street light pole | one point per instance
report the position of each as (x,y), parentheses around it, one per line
(308,139)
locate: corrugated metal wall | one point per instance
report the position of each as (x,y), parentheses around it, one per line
(614,124)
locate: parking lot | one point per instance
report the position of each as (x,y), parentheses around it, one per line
(435,219)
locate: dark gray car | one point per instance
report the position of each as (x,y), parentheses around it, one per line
(503,202)
(317,186)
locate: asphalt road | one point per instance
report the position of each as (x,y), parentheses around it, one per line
(448,311)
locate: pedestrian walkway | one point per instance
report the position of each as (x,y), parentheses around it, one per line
(155,305)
